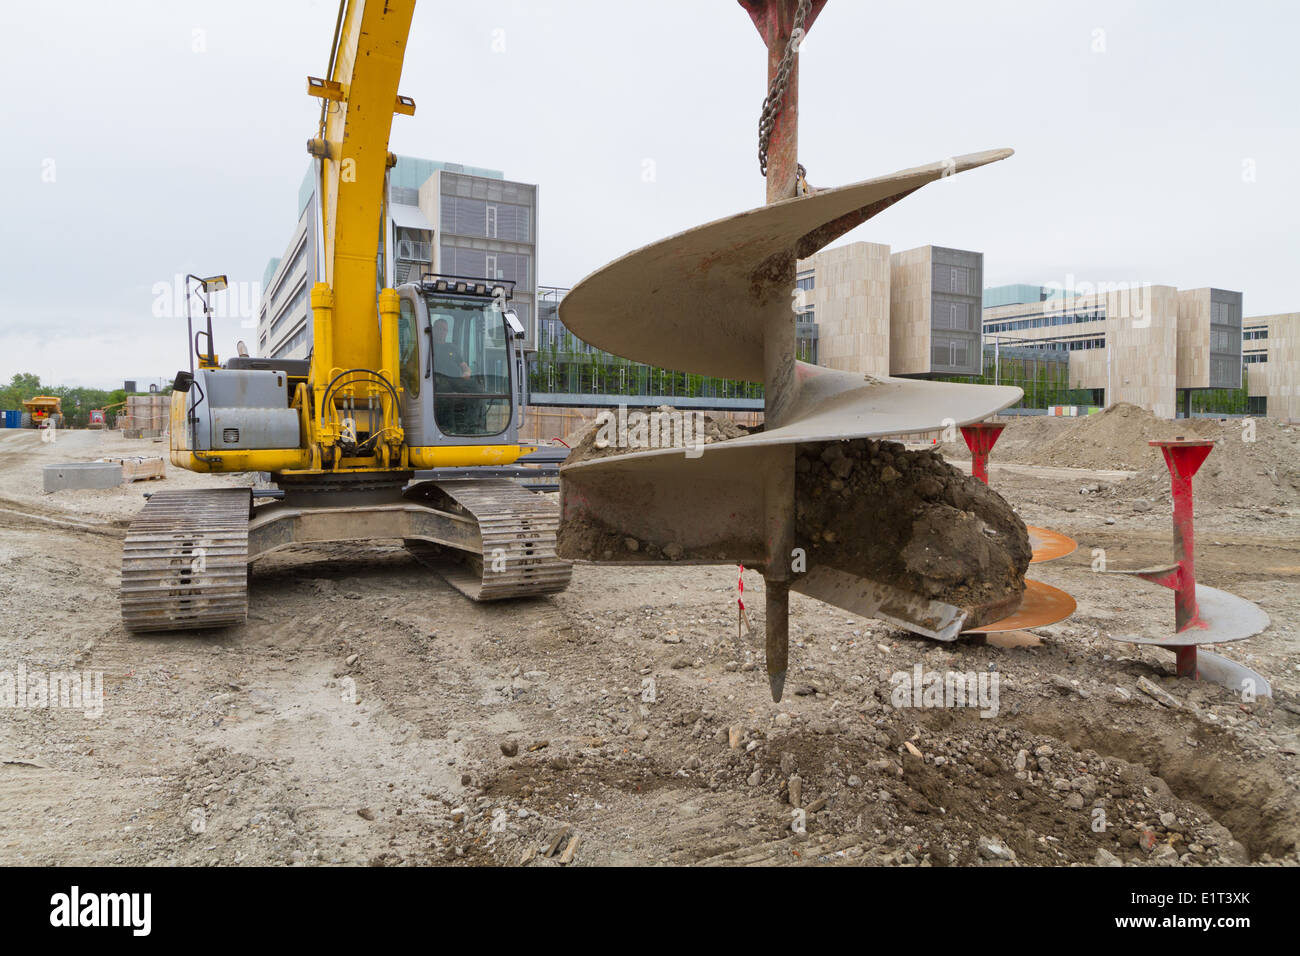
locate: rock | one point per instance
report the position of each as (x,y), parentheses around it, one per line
(854,780)
(632,544)
(1062,684)
(993,848)
(566,857)
(510,747)
(365,813)
(888,474)
(1157,693)
(1022,760)
(1074,801)
(1167,820)
(734,736)
(842,467)
(755,778)
(352,659)
(1110,521)
(796,791)
(1141,505)
(1105,858)
(673,551)
(1164,855)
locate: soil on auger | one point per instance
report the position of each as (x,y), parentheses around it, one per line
(873,509)
(908,518)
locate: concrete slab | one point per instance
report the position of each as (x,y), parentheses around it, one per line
(82,474)
(140,468)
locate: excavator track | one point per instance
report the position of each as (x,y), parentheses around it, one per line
(518,530)
(185,561)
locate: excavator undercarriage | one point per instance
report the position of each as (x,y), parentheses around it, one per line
(188,555)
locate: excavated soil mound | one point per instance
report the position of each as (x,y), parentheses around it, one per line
(1254,463)
(1116,438)
(909,519)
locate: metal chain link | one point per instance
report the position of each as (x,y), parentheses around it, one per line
(777,89)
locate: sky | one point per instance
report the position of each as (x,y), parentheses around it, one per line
(1155,142)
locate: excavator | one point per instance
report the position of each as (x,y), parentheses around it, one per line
(422,376)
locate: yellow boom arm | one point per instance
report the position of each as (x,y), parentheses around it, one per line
(360,98)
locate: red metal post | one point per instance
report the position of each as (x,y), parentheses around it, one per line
(1183,458)
(980,439)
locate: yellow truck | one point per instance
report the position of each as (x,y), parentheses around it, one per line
(43,411)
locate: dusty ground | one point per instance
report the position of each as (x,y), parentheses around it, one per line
(361,714)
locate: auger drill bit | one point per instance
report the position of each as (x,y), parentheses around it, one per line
(716,300)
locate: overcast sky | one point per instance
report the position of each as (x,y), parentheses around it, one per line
(1155,141)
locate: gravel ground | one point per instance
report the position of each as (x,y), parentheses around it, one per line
(369,714)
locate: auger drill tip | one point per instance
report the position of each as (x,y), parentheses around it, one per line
(776,682)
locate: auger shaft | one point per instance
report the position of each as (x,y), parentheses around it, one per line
(776,20)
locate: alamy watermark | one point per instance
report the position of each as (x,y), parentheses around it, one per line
(239,300)
(662,428)
(918,688)
(1132,299)
(39,690)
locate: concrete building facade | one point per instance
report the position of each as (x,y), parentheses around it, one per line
(1122,343)
(934,311)
(1271,352)
(843,307)
(864,309)
(1209,339)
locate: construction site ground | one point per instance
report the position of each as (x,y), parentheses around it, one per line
(367,713)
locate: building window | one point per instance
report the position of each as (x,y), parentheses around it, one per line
(490,229)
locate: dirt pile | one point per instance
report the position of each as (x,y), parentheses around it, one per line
(909,519)
(1116,438)
(1023,435)
(1256,462)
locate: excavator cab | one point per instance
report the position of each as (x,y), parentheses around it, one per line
(458,351)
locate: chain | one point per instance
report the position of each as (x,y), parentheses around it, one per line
(777,89)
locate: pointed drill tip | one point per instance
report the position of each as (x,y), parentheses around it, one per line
(776,682)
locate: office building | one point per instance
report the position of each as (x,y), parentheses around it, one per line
(444,217)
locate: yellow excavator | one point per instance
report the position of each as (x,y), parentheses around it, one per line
(422,376)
